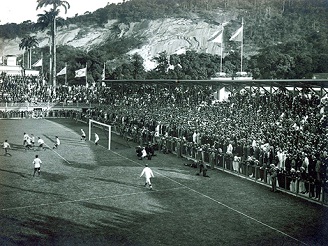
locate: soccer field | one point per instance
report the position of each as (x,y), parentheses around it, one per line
(88,195)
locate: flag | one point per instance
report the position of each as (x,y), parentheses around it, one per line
(62,72)
(81,72)
(38,63)
(238,35)
(217,38)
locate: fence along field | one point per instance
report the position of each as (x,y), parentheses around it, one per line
(89,195)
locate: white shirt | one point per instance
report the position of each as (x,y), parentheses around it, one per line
(57,141)
(6,145)
(83,133)
(144,152)
(97,137)
(40,141)
(37,162)
(147,172)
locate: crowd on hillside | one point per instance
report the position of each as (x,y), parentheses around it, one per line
(287,129)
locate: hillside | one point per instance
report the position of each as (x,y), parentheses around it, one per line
(281,39)
(173,35)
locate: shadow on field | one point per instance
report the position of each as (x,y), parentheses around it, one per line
(29,190)
(49,230)
(14,172)
(54,177)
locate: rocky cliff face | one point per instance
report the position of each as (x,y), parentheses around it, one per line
(170,35)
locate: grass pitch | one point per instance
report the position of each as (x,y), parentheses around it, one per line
(88,195)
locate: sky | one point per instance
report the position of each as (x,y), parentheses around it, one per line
(17,11)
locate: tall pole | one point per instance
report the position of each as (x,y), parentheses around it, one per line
(242,45)
(50,62)
(221,60)
(65,73)
(86,75)
(42,63)
(54,54)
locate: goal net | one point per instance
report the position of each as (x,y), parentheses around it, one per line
(103,130)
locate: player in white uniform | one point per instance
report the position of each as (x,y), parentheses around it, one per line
(83,135)
(148,173)
(6,146)
(37,165)
(96,138)
(26,136)
(41,143)
(57,143)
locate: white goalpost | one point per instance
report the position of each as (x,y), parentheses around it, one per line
(100,125)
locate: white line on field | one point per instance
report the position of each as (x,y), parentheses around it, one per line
(86,199)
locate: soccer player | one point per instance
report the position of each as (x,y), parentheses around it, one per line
(28,143)
(25,137)
(96,138)
(41,143)
(148,173)
(6,146)
(32,140)
(37,165)
(57,143)
(83,136)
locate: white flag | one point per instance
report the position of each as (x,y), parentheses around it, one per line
(61,72)
(81,72)
(238,35)
(38,63)
(217,38)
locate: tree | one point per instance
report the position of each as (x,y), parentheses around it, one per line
(28,43)
(138,68)
(56,4)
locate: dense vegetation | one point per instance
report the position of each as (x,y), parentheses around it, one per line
(289,37)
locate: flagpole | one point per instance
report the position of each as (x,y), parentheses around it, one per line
(104,71)
(86,75)
(42,63)
(65,73)
(242,45)
(221,60)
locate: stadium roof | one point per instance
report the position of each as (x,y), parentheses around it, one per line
(303,83)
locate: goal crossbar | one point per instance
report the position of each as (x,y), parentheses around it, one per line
(101,124)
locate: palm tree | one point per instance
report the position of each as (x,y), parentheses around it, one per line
(56,4)
(28,43)
(23,46)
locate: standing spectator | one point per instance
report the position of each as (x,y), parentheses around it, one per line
(148,173)
(318,178)
(235,163)
(273,175)
(202,169)
(37,165)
